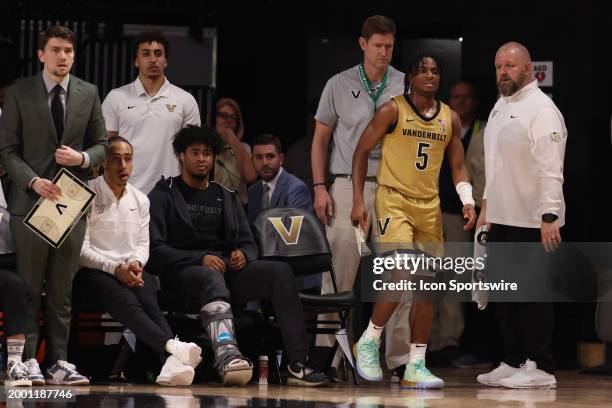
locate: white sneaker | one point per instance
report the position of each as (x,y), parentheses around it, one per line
(16,375)
(174,372)
(367,358)
(417,376)
(529,376)
(188,353)
(64,373)
(36,376)
(492,379)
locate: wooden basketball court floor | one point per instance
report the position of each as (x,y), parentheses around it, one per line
(462,390)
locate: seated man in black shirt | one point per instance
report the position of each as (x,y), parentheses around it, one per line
(201,245)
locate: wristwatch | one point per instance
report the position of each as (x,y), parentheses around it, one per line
(549,217)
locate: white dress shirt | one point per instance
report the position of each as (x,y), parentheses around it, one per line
(524,142)
(117,230)
(272,184)
(50,84)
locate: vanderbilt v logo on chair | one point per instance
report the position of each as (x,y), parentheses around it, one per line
(297,237)
(289,232)
(292,236)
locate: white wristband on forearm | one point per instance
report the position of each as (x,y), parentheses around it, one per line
(464,190)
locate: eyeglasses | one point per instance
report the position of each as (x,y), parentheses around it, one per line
(227,116)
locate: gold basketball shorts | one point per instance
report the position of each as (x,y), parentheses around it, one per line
(402,219)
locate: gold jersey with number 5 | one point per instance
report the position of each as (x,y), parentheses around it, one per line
(412,153)
(407,202)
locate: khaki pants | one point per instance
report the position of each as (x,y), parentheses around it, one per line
(345,258)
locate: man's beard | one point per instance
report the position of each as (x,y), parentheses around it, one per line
(198,176)
(507,89)
(274,173)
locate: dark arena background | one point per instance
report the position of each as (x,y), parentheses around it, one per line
(274,58)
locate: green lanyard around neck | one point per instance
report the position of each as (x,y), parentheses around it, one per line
(366,84)
(476,127)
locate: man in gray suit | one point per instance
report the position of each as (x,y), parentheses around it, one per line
(49,121)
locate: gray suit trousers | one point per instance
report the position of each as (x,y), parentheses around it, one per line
(42,266)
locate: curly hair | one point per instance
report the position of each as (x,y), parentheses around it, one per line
(191,135)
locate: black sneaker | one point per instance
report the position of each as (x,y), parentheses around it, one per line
(398,373)
(301,375)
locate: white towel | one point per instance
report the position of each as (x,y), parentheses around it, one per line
(481,297)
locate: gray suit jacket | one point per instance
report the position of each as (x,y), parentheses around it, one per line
(28,140)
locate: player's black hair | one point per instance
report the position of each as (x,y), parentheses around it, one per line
(148,37)
(117,139)
(191,135)
(414,64)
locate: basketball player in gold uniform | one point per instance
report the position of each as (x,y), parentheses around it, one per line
(415,130)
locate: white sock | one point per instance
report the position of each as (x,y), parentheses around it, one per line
(417,352)
(373,332)
(170,342)
(14,349)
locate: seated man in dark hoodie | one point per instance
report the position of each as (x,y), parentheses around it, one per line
(201,245)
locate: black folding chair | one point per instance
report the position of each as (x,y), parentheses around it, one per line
(297,237)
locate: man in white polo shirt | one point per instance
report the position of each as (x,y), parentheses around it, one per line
(149,112)
(115,251)
(523,202)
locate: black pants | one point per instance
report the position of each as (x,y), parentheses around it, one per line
(135,308)
(481,336)
(259,280)
(12,297)
(527,327)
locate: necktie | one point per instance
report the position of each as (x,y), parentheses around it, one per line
(265,198)
(57,112)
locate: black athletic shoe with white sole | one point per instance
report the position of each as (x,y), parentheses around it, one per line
(300,374)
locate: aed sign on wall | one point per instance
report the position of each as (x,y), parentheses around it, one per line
(543,72)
